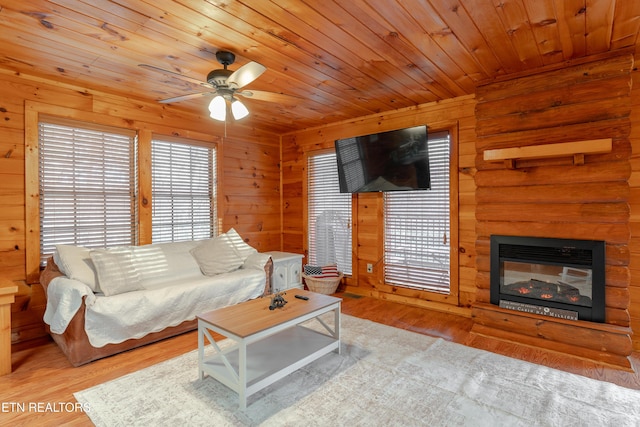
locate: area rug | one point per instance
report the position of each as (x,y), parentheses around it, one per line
(384,376)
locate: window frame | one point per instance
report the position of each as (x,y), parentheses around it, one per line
(78,194)
(452,298)
(425,209)
(214,185)
(307,233)
(145,131)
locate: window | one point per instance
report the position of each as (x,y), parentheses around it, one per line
(417,227)
(329,214)
(183,191)
(87,185)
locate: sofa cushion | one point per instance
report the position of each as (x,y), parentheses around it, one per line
(116,270)
(256,261)
(243,249)
(217,256)
(76,263)
(162,263)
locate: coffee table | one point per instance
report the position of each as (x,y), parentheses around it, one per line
(269,344)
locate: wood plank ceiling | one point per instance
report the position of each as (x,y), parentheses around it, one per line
(337,59)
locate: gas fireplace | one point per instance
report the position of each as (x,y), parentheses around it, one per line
(562,278)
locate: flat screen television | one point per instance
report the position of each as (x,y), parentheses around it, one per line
(397,160)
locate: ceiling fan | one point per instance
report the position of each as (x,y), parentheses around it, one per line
(225,84)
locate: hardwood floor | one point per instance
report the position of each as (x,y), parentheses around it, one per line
(42,375)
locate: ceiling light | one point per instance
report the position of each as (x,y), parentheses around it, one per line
(218,108)
(239,110)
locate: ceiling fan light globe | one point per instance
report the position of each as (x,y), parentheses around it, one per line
(238,110)
(218,108)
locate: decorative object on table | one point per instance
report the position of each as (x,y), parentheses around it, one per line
(322,279)
(277,301)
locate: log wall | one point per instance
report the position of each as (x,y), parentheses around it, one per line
(552,197)
(456,114)
(249,181)
(634,202)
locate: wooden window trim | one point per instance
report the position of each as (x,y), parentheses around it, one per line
(145,131)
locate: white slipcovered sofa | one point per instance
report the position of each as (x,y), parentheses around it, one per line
(104,301)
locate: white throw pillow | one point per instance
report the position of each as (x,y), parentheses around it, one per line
(217,256)
(244,249)
(116,271)
(256,261)
(75,262)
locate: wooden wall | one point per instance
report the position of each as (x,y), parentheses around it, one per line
(555,198)
(249,182)
(455,114)
(634,202)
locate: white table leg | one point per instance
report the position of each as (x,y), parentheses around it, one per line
(242,385)
(337,327)
(200,351)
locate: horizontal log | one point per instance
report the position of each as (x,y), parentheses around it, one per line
(600,337)
(589,192)
(617,316)
(607,109)
(611,233)
(598,175)
(616,128)
(552,96)
(593,71)
(617,276)
(615,360)
(560,212)
(616,297)
(483,296)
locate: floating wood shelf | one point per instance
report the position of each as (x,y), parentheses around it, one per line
(576,149)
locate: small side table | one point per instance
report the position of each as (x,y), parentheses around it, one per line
(8,290)
(287,270)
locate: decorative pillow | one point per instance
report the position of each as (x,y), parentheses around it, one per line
(75,262)
(117,273)
(217,256)
(243,249)
(321,272)
(256,261)
(312,270)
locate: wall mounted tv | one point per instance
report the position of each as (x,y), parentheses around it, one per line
(388,161)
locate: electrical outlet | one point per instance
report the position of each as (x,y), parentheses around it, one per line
(369,268)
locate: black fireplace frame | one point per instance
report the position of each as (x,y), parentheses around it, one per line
(559,248)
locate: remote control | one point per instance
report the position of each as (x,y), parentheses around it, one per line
(302,297)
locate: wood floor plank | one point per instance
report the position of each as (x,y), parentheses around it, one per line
(43,375)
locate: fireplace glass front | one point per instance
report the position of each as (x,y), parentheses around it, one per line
(554,277)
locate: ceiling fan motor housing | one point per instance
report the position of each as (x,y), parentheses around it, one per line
(219,77)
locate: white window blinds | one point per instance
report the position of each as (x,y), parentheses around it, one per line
(329,214)
(87,186)
(416,233)
(183,191)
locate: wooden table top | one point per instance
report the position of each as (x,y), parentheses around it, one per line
(250,317)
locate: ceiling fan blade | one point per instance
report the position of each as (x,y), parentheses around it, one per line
(280,98)
(171,73)
(184,97)
(245,75)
